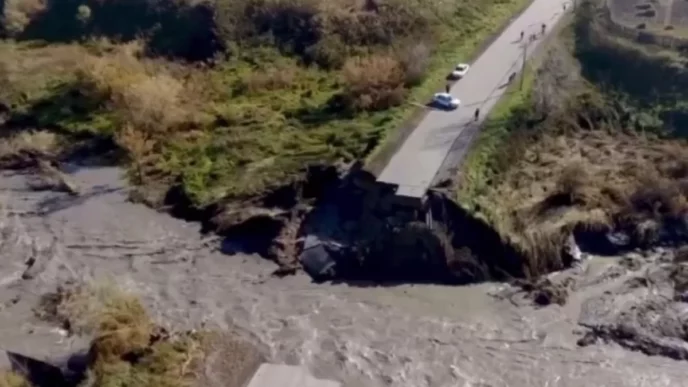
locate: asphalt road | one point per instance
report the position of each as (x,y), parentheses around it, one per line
(414,166)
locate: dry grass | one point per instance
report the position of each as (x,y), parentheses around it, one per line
(27,73)
(139,146)
(147,96)
(13,379)
(373,83)
(587,178)
(84,309)
(127,349)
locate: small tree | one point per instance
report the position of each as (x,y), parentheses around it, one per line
(414,60)
(553,81)
(138,146)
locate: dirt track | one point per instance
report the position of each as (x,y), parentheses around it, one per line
(414,336)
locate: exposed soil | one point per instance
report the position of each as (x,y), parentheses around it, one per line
(365,336)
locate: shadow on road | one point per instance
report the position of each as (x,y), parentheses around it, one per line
(454,132)
(435,106)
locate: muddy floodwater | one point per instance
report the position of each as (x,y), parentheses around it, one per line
(406,336)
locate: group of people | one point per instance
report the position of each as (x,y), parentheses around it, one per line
(533,37)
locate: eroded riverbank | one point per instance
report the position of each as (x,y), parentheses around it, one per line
(409,335)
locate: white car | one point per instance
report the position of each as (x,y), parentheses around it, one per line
(460,70)
(446,101)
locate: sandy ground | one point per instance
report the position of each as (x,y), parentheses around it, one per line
(408,336)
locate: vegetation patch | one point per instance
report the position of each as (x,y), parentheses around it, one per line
(129,349)
(13,379)
(292,83)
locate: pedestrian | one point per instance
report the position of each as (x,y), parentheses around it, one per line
(543,28)
(564,6)
(522,35)
(447,87)
(477,114)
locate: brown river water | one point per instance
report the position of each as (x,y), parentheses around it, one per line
(405,336)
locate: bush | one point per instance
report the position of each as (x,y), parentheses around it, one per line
(329,53)
(128,349)
(138,146)
(144,96)
(373,83)
(122,327)
(18,14)
(414,59)
(37,142)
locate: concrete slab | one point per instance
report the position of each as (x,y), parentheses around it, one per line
(414,166)
(280,375)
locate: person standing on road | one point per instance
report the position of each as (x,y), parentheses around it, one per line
(544,26)
(522,35)
(477,114)
(447,87)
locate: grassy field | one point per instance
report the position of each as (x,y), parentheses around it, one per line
(276,96)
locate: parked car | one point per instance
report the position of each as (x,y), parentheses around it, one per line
(445,100)
(460,70)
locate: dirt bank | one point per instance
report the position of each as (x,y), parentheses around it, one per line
(415,336)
